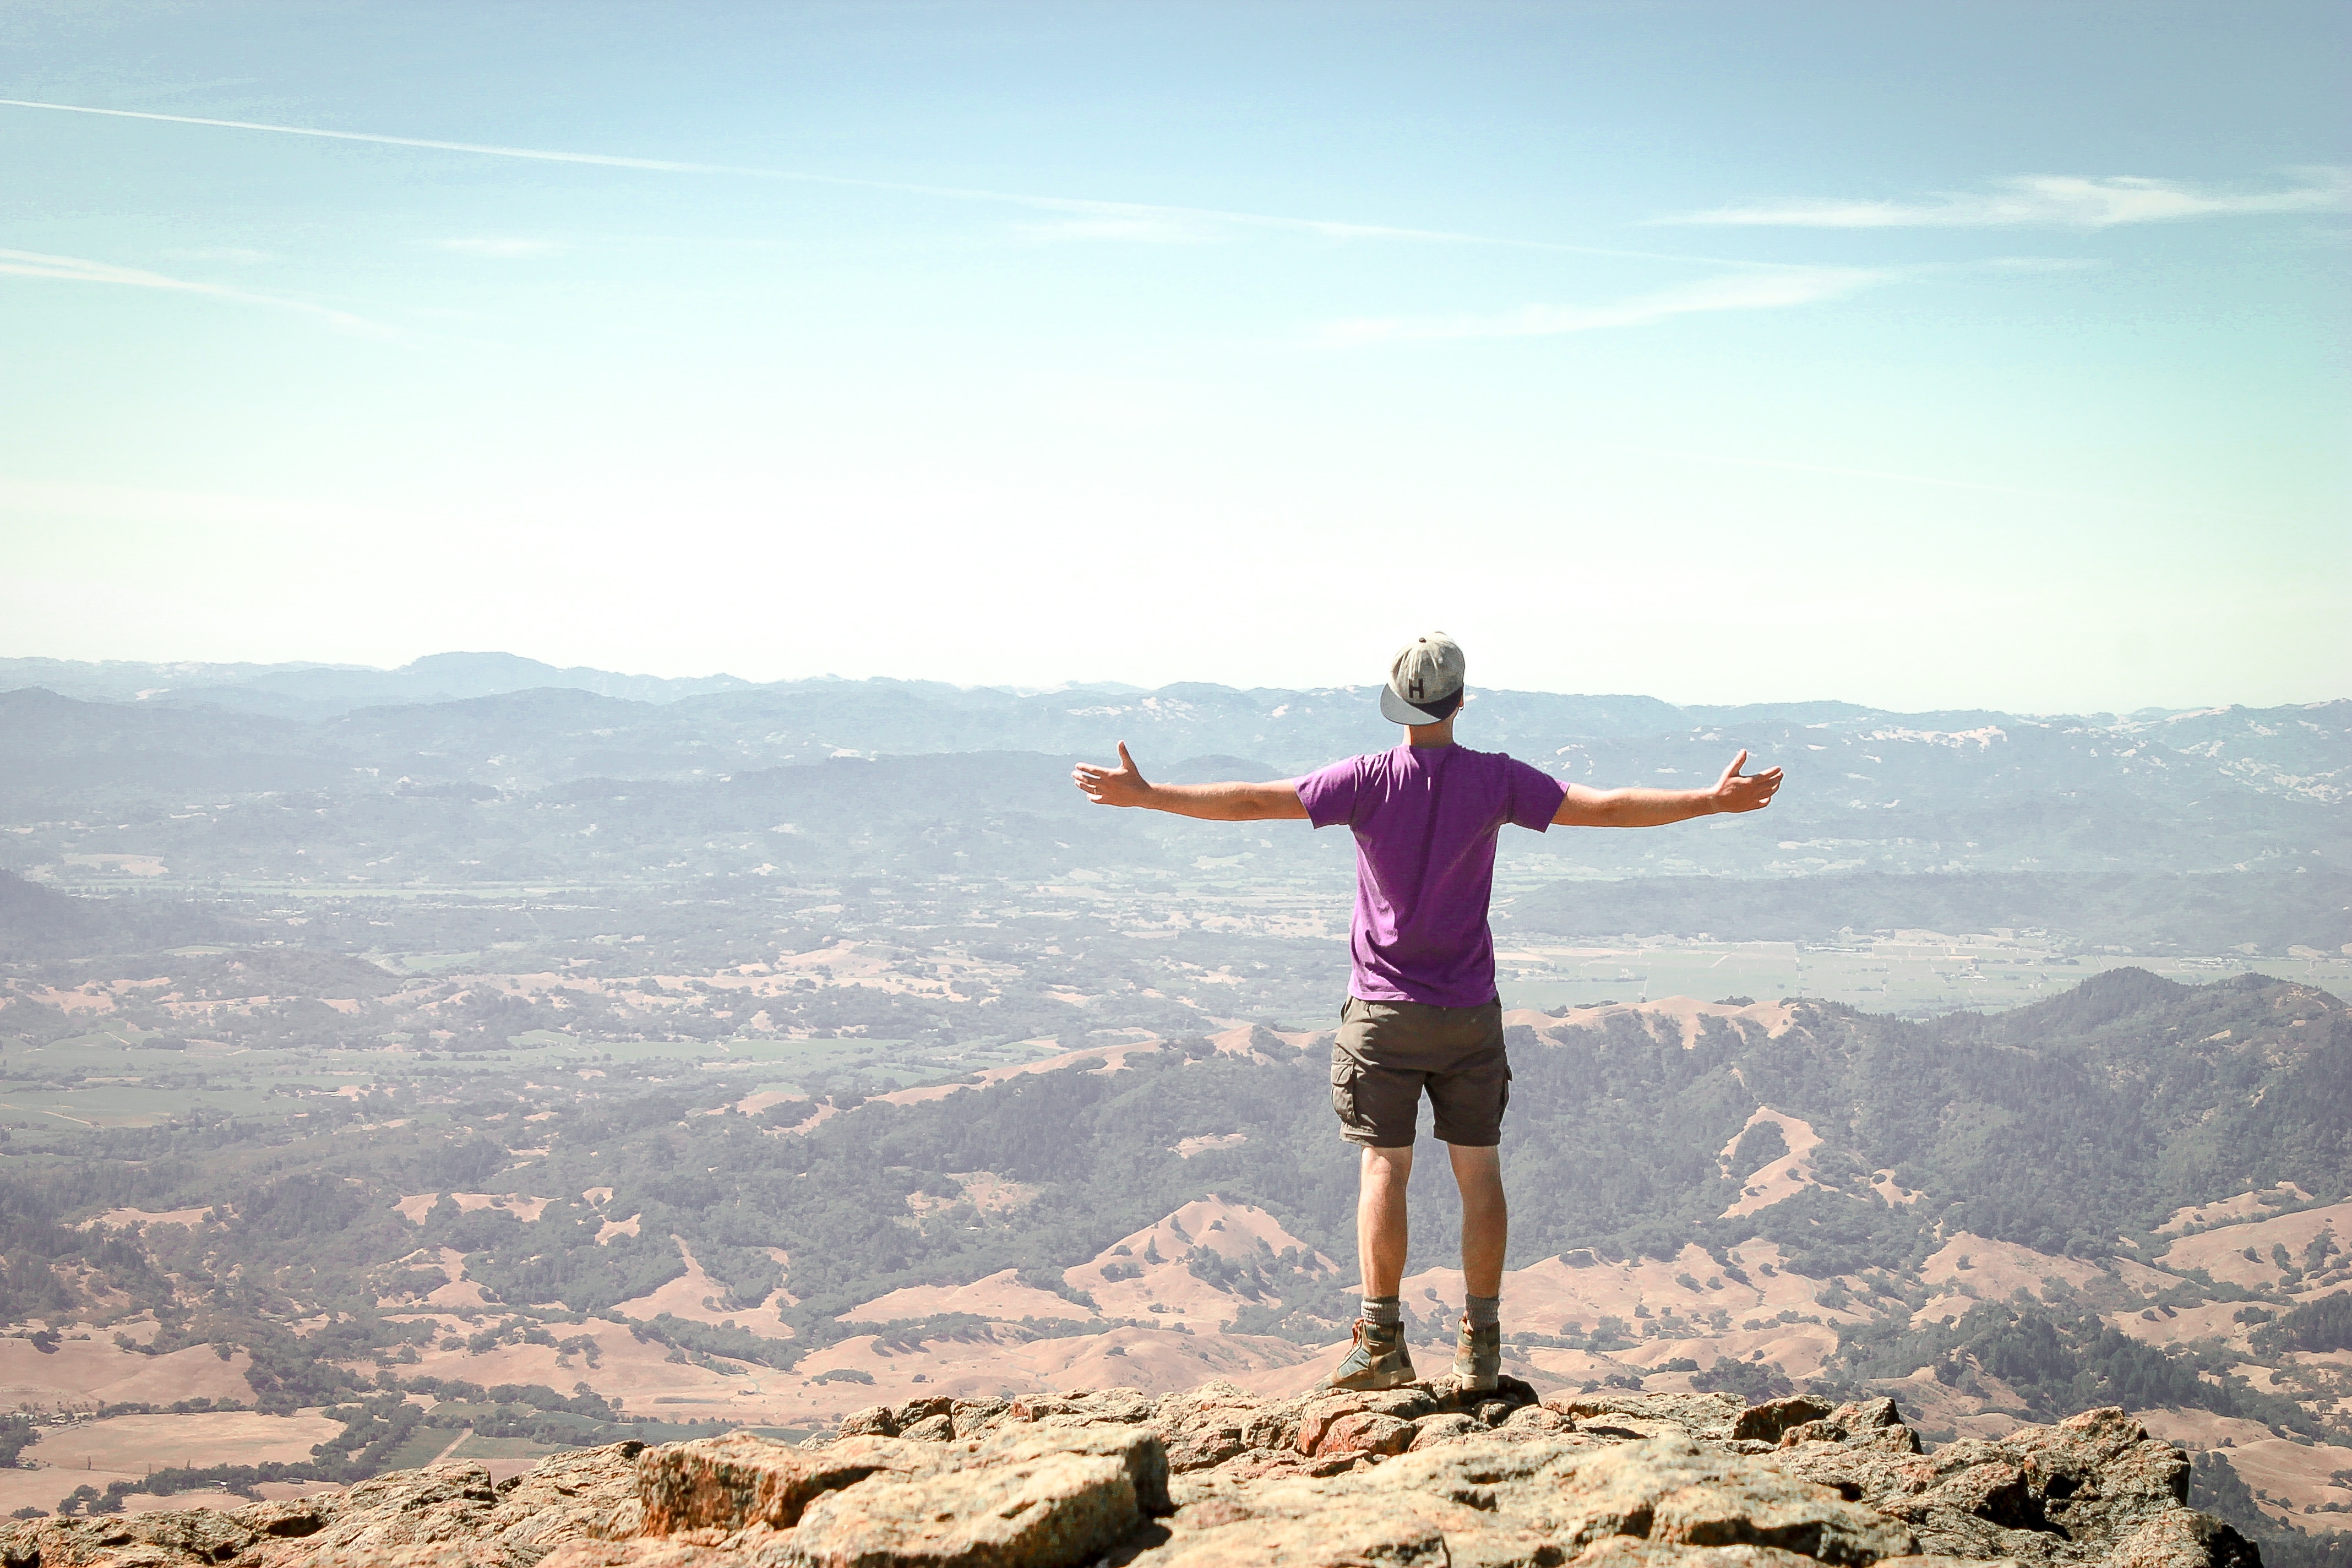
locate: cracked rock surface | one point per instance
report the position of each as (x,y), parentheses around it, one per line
(1217,1477)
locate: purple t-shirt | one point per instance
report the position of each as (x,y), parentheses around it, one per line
(1425,821)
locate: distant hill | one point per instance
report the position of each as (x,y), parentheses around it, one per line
(322,691)
(2215,828)
(2133,1191)
(38,922)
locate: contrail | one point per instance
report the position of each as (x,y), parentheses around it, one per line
(1327,229)
(81,270)
(662,166)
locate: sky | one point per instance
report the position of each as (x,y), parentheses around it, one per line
(1932,357)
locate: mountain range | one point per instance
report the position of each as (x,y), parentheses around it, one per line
(2188,831)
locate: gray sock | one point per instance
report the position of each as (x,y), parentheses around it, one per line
(1485,1311)
(1381,1310)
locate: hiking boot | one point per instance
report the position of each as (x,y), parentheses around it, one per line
(1378,1359)
(1477,1358)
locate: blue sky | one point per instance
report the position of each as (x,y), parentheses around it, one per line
(1947,356)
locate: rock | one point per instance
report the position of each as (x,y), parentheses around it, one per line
(133,1540)
(1451,1427)
(1624,1552)
(1124,1406)
(2184,1539)
(1766,1422)
(651,1552)
(1629,1428)
(874,1421)
(973,1416)
(1411,1476)
(1672,1490)
(1703,1416)
(915,1410)
(589,1494)
(1137,1450)
(1028,1508)
(440,1515)
(731,1482)
(1366,1432)
(1535,1421)
(1316,1419)
(1246,1535)
(1875,1422)
(295,1517)
(1410,1403)
(1491,1500)
(1205,1426)
(2075,1492)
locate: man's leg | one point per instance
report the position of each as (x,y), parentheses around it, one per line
(1485,1230)
(1380,1224)
(1379,1358)
(1486,1217)
(1378,1097)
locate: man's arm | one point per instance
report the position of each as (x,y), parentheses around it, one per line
(1126,786)
(1656,807)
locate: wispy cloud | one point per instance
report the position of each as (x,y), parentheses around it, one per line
(1775,290)
(80,269)
(2032,264)
(504,249)
(236,253)
(1113,220)
(1143,229)
(2062,200)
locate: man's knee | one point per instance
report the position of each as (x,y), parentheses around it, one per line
(1477,1169)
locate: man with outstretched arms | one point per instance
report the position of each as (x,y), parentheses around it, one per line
(1421,1014)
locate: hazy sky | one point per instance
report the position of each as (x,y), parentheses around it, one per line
(1924,355)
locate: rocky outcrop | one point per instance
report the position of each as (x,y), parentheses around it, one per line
(1216,1477)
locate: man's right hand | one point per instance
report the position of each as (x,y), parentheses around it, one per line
(1122,786)
(1126,786)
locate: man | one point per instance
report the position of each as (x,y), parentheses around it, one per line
(1422,1013)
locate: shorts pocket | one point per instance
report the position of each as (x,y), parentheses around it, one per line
(1344,1073)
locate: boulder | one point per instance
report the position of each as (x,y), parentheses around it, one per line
(439,1515)
(731,1482)
(1366,1432)
(590,1494)
(1206,1425)
(1765,1423)
(1040,1507)
(1451,1426)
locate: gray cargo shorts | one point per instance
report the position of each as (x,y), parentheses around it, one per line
(1388,1053)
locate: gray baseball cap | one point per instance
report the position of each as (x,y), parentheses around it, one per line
(1424,681)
